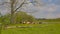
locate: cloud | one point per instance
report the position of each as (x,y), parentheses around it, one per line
(45,11)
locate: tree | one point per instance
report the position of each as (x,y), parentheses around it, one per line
(13,8)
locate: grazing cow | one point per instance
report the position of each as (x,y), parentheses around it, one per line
(28,22)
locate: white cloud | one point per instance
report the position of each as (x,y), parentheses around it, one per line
(48,8)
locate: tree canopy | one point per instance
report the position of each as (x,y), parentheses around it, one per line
(19,16)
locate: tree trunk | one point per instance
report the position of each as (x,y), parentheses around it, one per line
(12,11)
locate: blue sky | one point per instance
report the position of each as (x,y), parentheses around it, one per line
(47,9)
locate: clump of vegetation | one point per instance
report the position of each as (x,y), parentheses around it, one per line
(19,17)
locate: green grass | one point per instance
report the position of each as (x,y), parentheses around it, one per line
(35,29)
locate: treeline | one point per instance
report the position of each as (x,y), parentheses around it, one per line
(49,20)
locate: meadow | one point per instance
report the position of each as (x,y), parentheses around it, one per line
(51,26)
(34,29)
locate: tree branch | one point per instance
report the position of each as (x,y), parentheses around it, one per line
(19,6)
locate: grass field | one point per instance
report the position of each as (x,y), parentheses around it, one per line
(35,29)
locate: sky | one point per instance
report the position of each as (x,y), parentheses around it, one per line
(41,9)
